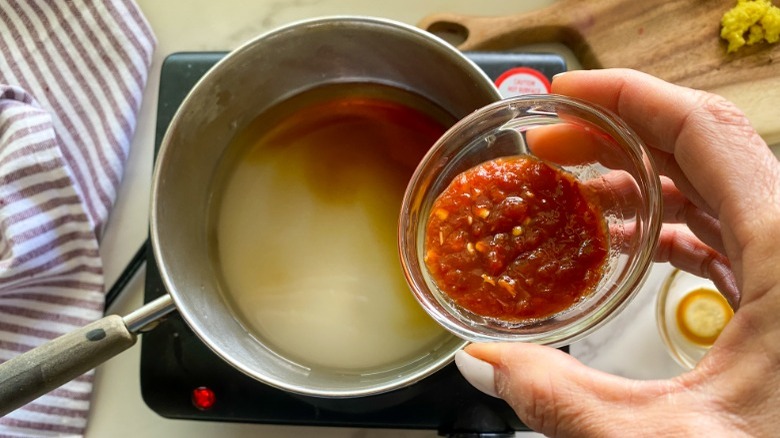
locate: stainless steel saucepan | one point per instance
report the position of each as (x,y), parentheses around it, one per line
(252,78)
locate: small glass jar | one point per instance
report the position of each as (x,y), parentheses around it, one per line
(586,141)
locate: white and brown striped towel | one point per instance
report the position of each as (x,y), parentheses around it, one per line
(72,74)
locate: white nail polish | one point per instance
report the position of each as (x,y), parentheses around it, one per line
(558,74)
(479,373)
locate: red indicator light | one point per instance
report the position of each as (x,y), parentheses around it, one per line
(203,398)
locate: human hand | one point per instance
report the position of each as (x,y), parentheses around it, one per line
(723,182)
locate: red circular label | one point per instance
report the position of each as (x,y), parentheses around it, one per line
(522,80)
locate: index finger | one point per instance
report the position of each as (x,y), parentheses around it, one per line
(713,143)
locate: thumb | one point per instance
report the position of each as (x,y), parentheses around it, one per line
(552,392)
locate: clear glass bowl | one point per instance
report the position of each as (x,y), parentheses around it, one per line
(676,287)
(588,142)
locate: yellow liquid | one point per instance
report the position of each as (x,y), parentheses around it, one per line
(306,228)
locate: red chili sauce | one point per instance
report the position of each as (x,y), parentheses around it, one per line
(515,239)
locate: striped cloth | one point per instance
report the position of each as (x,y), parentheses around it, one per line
(72,74)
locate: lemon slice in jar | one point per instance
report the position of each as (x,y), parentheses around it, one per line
(702,315)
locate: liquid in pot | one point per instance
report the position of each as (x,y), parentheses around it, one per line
(305,224)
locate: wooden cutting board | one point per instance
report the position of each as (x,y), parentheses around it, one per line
(677,40)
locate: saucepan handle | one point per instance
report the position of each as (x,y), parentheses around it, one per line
(40,370)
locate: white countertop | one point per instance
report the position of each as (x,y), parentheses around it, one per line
(634,350)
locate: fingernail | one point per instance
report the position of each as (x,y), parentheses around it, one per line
(558,75)
(479,373)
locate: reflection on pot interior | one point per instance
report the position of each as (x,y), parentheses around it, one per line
(304,226)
